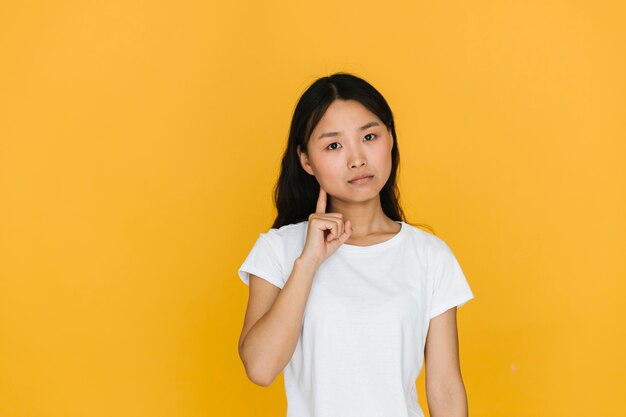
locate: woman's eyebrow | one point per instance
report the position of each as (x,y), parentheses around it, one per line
(365,126)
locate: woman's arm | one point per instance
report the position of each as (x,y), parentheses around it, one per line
(445,391)
(273,322)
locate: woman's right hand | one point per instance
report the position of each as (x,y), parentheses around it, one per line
(318,246)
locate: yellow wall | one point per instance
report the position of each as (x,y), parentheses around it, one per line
(139,142)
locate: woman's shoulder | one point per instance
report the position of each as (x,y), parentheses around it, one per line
(287,234)
(425,240)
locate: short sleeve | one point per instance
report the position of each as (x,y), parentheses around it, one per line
(264,261)
(450,287)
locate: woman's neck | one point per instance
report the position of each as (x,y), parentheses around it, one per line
(367,218)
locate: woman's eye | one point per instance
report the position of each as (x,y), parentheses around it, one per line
(336,143)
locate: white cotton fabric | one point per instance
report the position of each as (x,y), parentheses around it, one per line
(365,323)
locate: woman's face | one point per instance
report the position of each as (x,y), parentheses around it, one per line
(349,141)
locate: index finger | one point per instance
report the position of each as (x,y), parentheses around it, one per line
(321,202)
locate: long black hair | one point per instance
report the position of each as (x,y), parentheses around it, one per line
(296,191)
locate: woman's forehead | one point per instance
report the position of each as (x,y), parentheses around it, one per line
(346,114)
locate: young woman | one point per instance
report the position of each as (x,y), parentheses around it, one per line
(345,296)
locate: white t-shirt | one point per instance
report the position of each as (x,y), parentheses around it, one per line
(365,323)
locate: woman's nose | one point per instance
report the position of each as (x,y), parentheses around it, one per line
(357,162)
(357,157)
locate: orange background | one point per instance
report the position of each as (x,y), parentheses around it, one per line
(139,142)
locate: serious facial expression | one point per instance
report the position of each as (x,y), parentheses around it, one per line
(349,141)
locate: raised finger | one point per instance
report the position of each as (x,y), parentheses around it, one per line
(321,202)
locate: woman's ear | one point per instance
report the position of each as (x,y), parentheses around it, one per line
(304,161)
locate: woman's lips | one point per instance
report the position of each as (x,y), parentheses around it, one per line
(361,180)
